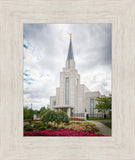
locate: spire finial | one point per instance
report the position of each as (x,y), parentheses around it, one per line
(70,35)
(70,49)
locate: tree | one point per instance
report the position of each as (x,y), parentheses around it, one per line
(26,113)
(43,110)
(104,104)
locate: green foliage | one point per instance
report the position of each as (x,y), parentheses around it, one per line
(42,128)
(43,110)
(98,118)
(49,116)
(26,113)
(76,123)
(53,127)
(67,124)
(32,112)
(49,126)
(28,128)
(108,124)
(61,117)
(39,126)
(104,104)
(88,123)
(52,116)
(34,122)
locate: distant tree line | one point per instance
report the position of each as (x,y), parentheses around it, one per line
(28,113)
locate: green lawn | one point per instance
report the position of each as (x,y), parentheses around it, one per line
(108,124)
(99,118)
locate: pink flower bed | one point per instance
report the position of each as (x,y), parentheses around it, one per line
(59,132)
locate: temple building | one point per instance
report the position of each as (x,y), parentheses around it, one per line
(72,97)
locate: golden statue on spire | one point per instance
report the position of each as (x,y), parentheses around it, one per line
(70,35)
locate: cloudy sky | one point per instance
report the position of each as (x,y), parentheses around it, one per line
(45,52)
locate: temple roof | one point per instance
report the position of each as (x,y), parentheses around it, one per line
(70,51)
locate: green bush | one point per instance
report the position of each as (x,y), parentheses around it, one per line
(42,128)
(49,116)
(53,127)
(67,124)
(35,122)
(61,117)
(52,116)
(49,126)
(76,123)
(43,110)
(28,128)
(39,126)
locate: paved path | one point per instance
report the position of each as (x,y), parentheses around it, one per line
(103,129)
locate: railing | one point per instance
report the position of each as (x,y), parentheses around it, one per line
(77,115)
(97,115)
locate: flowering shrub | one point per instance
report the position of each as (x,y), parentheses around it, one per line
(59,132)
(75,126)
(88,127)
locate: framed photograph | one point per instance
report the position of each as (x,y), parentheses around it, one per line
(73,103)
(41,104)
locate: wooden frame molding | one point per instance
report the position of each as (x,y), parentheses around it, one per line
(13,14)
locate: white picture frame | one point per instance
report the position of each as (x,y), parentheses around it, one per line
(13,145)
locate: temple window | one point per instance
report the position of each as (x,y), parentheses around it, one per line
(67,90)
(91,106)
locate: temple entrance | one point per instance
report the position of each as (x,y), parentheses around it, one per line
(63,109)
(67,109)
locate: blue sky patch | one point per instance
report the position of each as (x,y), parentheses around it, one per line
(32,79)
(29,83)
(25,46)
(26,74)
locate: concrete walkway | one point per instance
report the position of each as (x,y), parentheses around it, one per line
(103,129)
